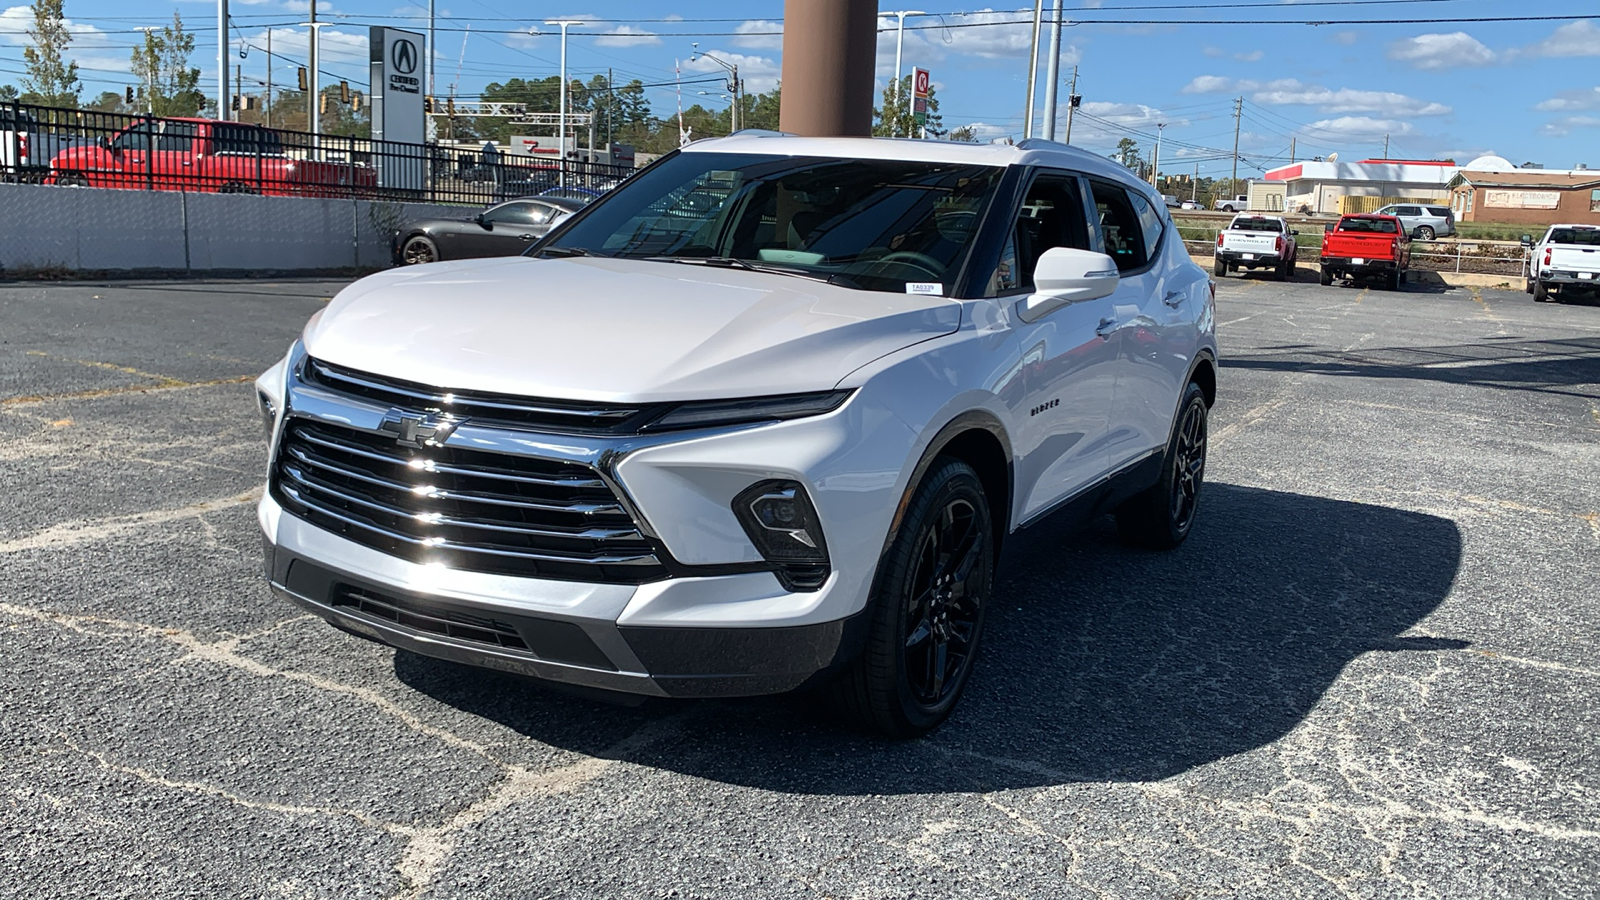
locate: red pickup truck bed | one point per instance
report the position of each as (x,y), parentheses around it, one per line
(1366,246)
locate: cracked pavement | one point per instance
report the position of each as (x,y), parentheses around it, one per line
(1371,672)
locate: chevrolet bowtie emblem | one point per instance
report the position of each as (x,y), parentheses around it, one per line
(419,429)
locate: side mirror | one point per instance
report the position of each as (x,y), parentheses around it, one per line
(1330,226)
(1527,240)
(479,218)
(1293,233)
(1065,275)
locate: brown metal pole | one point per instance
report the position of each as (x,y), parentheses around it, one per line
(829,48)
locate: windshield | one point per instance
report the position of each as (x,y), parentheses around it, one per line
(1256,225)
(880,225)
(1586,236)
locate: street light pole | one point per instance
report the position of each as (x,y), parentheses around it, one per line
(150,74)
(313,104)
(1054,75)
(899,45)
(1155,164)
(222,59)
(735,85)
(561,141)
(1033,68)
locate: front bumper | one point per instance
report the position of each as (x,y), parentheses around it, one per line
(562,632)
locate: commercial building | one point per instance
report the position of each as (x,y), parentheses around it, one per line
(1319,186)
(1526,197)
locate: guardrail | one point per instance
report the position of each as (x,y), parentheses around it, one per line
(1453,256)
(84,148)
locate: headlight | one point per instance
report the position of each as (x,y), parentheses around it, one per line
(749,411)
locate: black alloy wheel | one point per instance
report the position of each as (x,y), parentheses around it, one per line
(418,250)
(1161,516)
(72,179)
(927,608)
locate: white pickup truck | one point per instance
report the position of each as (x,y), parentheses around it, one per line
(1236,203)
(1566,259)
(1256,242)
(25,148)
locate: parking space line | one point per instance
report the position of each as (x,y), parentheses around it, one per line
(124,389)
(161,380)
(98,529)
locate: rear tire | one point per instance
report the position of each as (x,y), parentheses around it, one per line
(1280,272)
(1391,281)
(927,609)
(1527,285)
(1161,516)
(418,250)
(1541,294)
(1220,269)
(1326,278)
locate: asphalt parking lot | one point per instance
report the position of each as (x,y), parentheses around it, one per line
(1371,672)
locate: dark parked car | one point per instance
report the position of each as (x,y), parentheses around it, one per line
(503,230)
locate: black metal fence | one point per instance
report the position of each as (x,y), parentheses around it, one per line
(88,149)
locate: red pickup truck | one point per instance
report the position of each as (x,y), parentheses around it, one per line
(1366,246)
(204,155)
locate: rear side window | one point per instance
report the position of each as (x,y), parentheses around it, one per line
(177,137)
(1442,212)
(1589,237)
(1121,227)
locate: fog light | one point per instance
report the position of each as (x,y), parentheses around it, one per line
(781,522)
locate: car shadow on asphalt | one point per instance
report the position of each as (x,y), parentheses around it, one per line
(1558,366)
(1100,662)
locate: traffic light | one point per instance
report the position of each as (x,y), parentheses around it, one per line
(235,102)
(302,78)
(322,103)
(427,105)
(344,92)
(130,94)
(355,102)
(1075,101)
(450,106)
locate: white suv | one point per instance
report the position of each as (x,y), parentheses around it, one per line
(757,420)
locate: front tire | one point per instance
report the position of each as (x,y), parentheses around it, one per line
(927,608)
(1161,516)
(418,250)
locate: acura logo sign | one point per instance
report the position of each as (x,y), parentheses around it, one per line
(403,56)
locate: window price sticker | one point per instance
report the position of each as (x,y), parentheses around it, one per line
(932,288)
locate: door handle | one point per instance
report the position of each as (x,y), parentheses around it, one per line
(526,237)
(1107,327)
(1173,298)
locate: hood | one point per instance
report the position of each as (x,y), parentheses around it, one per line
(616,330)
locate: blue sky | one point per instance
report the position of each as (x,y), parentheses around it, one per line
(1523,90)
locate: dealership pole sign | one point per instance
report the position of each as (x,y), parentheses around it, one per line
(397,108)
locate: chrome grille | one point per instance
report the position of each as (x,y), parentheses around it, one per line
(483,408)
(467,509)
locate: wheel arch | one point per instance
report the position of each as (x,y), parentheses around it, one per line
(1204,373)
(977,438)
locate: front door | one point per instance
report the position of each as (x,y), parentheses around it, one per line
(1068,357)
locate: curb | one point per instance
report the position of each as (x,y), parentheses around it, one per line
(1416,276)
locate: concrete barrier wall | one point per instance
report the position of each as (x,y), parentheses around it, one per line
(48,228)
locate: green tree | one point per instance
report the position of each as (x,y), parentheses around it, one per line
(966,134)
(9,93)
(896,116)
(50,77)
(109,102)
(1127,154)
(162,62)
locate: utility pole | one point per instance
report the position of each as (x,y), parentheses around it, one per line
(1155,164)
(1238,111)
(1386,146)
(269,77)
(313,112)
(1033,67)
(222,59)
(899,45)
(1072,102)
(238,90)
(1291,150)
(432,48)
(735,86)
(1054,75)
(1194,186)
(611,106)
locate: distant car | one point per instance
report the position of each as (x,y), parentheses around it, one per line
(503,230)
(1236,203)
(1366,247)
(580,194)
(1257,242)
(1424,223)
(1170,200)
(1189,204)
(1567,259)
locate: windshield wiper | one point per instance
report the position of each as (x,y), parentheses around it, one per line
(566,251)
(729,262)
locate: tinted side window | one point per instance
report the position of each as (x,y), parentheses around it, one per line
(176,136)
(135,138)
(1151,225)
(1440,211)
(512,214)
(1120,227)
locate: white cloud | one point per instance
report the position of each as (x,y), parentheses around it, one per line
(754,36)
(1563,127)
(1345,38)
(1442,51)
(759,73)
(1208,84)
(1002,41)
(1568,100)
(627,36)
(1347,100)
(1580,38)
(1252,56)
(1362,127)
(986,133)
